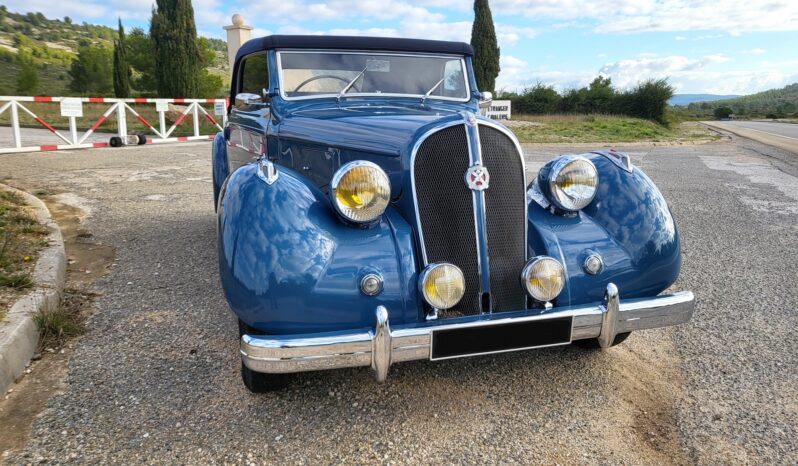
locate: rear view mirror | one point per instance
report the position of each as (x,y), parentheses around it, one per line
(485,99)
(245,99)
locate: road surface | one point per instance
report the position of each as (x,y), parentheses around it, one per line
(155,379)
(781,135)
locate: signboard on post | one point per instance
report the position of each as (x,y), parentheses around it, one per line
(499,110)
(161,106)
(71,107)
(219,108)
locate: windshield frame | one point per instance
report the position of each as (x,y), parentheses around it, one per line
(461,58)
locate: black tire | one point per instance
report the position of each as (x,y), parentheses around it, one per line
(142,139)
(593,343)
(115,141)
(258,382)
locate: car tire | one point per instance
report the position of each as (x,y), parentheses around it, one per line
(115,141)
(592,343)
(258,382)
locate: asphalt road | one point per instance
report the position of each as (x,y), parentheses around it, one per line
(155,379)
(781,135)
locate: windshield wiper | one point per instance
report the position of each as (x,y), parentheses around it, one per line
(351,83)
(429,92)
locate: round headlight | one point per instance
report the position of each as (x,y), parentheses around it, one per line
(360,191)
(572,182)
(442,285)
(543,277)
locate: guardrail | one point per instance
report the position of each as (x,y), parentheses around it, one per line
(72,109)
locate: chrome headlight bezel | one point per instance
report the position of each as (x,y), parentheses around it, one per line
(382,201)
(424,275)
(529,270)
(548,181)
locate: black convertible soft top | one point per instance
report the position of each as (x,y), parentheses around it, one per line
(391,44)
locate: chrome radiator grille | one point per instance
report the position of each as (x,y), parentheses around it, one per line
(448,211)
(505,218)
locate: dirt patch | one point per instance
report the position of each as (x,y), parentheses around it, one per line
(87,261)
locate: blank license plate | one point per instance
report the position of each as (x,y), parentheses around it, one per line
(471,341)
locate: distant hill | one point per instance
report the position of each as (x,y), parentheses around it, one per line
(775,103)
(54,44)
(685,99)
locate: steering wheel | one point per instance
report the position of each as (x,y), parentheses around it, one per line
(316,78)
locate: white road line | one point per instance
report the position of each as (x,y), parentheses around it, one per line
(772,134)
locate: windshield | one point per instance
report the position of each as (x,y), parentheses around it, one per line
(317,74)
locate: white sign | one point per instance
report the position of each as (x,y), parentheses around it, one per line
(499,110)
(218,108)
(161,106)
(71,107)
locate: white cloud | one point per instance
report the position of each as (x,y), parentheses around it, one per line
(754,51)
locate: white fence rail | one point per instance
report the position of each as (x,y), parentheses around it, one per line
(72,109)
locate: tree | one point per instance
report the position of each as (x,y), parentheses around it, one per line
(723,112)
(122,71)
(67,20)
(177,56)
(540,99)
(28,77)
(92,71)
(486,51)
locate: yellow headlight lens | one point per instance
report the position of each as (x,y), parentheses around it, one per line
(544,278)
(442,285)
(574,182)
(361,191)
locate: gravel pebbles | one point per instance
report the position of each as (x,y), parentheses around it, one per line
(155,380)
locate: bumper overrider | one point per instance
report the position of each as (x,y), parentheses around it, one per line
(380,347)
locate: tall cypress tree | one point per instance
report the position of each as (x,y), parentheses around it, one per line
(486,51)
(122,70)
(174,38)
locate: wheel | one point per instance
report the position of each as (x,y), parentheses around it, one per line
(115,141)
(142,139)
(593,343)
(258,382)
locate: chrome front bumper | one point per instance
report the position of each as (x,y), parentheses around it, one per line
(381,347)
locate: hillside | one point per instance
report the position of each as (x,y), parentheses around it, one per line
(774,103)
(686,99)
(54,44)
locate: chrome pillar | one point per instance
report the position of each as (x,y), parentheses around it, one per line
(609,316)
(381,345)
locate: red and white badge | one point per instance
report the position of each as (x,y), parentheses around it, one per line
(477,178)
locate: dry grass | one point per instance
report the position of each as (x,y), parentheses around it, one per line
(601,128)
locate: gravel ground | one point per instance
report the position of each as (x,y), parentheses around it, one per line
(155,380)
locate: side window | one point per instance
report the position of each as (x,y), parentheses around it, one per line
(254,74)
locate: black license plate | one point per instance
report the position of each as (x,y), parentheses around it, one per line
(471,341)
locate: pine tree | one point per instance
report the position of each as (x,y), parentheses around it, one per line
(486,52)
(122,70)
(28,77)
(177,57)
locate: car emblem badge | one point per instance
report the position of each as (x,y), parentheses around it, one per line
(477,178)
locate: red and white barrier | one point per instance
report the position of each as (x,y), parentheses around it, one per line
(72,108)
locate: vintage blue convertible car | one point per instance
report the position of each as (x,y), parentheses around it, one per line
(368,215)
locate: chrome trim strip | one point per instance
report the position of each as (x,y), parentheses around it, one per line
(478,203)
(372,52)
(381,346)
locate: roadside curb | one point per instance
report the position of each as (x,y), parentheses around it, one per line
(19,335)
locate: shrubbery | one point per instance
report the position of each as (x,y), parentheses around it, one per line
(648,100)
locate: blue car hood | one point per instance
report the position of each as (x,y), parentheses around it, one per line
(380,129)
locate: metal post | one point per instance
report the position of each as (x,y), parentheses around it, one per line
(121,122)
(162,121)
(196,119)
(73,130)
(15,124)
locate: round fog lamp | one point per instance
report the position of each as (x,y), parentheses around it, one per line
(442,285)
(543,277)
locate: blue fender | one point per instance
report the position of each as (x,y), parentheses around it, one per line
(288,264)
(220,165)
(628,224)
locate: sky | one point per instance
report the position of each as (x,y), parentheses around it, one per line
(701,46)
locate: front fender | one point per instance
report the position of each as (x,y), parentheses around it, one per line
(628,224)
(288,264)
